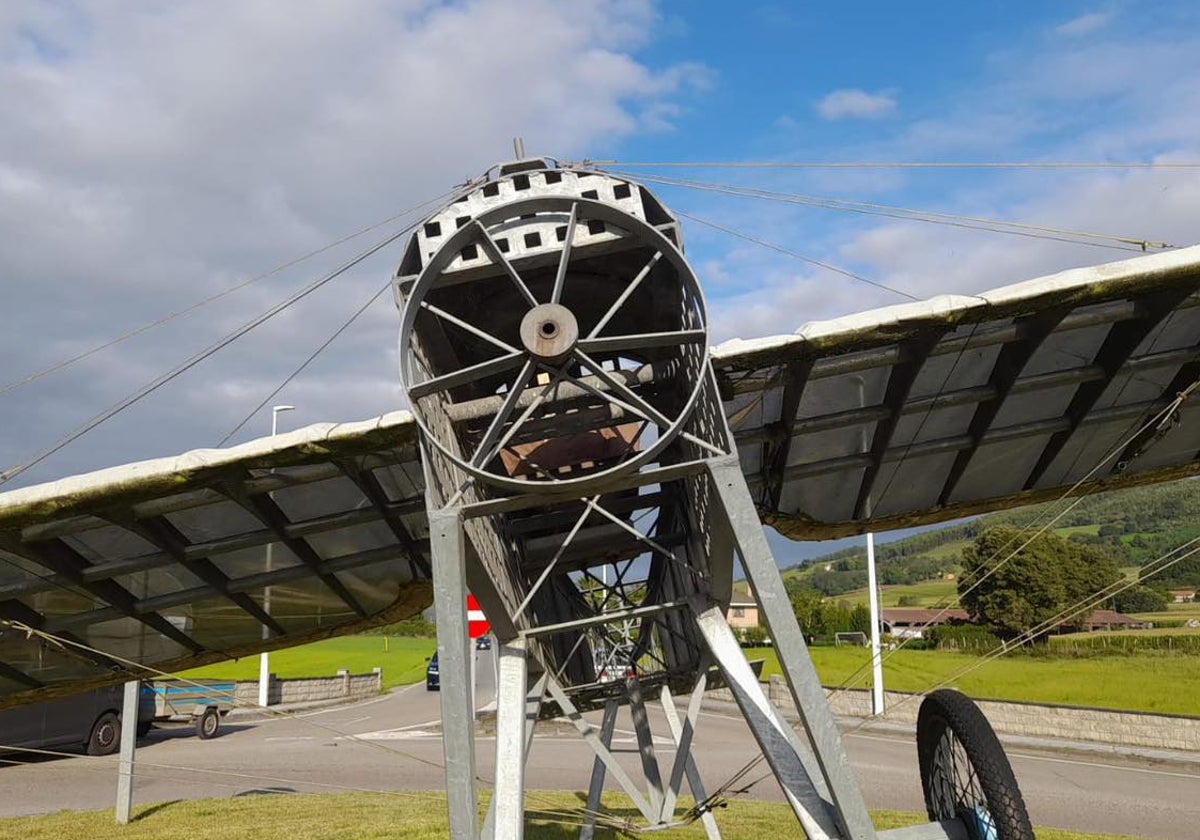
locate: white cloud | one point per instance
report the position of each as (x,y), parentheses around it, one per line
(1084,24)
(1133,98)
(852,103)
(152,155)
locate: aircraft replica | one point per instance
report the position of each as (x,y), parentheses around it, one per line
(580,459)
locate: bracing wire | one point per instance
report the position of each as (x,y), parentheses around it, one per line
(571,817)
(196,359)
(1111,241)
(943,606)
(1086,604)
(170,316)
(1160,564)
(895,164)
(787,252)
(345,325)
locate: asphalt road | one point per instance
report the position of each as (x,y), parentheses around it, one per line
(394,743)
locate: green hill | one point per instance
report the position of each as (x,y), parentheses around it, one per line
(1135,526)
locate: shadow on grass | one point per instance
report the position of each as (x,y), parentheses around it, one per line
(154,809)
(269,791)
(552,824)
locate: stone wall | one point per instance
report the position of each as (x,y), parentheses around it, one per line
(1072,723)
(344,686)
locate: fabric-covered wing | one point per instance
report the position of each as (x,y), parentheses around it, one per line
(897,417)
(181,561)
(958,405)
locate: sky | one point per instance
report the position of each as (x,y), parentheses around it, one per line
(155,154)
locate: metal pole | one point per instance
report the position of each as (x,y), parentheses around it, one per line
(872,582)
(876,657)
(449,555)
(129,724)
(264,659)
(511,702)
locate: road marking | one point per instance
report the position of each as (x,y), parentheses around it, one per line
(290,738)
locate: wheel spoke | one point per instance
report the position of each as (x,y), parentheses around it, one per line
(612,310)
(533,590)
(471,328)
(474,373)
(545,392)
(640,405)
(506,409)
(620,343)
(498,257)
(565,258)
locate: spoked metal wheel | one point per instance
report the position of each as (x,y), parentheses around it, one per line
(553,340)
(965,774)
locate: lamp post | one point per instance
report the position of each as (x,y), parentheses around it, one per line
(264,659)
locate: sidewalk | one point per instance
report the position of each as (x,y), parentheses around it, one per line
(897,729)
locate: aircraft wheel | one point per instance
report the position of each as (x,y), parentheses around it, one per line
(964,771)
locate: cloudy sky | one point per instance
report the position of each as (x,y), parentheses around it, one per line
(155,154)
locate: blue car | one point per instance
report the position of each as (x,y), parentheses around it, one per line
(432,680)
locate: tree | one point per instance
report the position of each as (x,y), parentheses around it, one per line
(753,636)
(1016,593)
(1140,599)
(809,609)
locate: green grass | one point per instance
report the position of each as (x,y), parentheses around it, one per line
(403,662)
(1174,612)
(927,593)
(1151,682)
(401,816)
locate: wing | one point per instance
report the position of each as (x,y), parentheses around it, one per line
(892,418)
(958,405)
(169,563)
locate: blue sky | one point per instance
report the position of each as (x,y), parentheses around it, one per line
(154,154)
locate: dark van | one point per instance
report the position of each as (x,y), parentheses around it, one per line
(90,721)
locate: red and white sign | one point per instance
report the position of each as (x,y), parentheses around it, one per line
(477,623)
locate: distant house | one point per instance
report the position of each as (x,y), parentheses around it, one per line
(742,614)
(904,623)
(1182,596)
(1112,620)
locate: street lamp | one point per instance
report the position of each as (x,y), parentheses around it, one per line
(264,660)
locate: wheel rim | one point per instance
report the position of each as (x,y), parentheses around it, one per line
(551,346)
(106,734)
(210,724)
(955,789)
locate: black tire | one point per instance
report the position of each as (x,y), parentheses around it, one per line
(106,735)
(144,727)
(208,724)
(964,771)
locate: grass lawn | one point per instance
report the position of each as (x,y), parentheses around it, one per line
(1151,682)
(400,816)
(927,593)
(1173,612)
(403,662)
